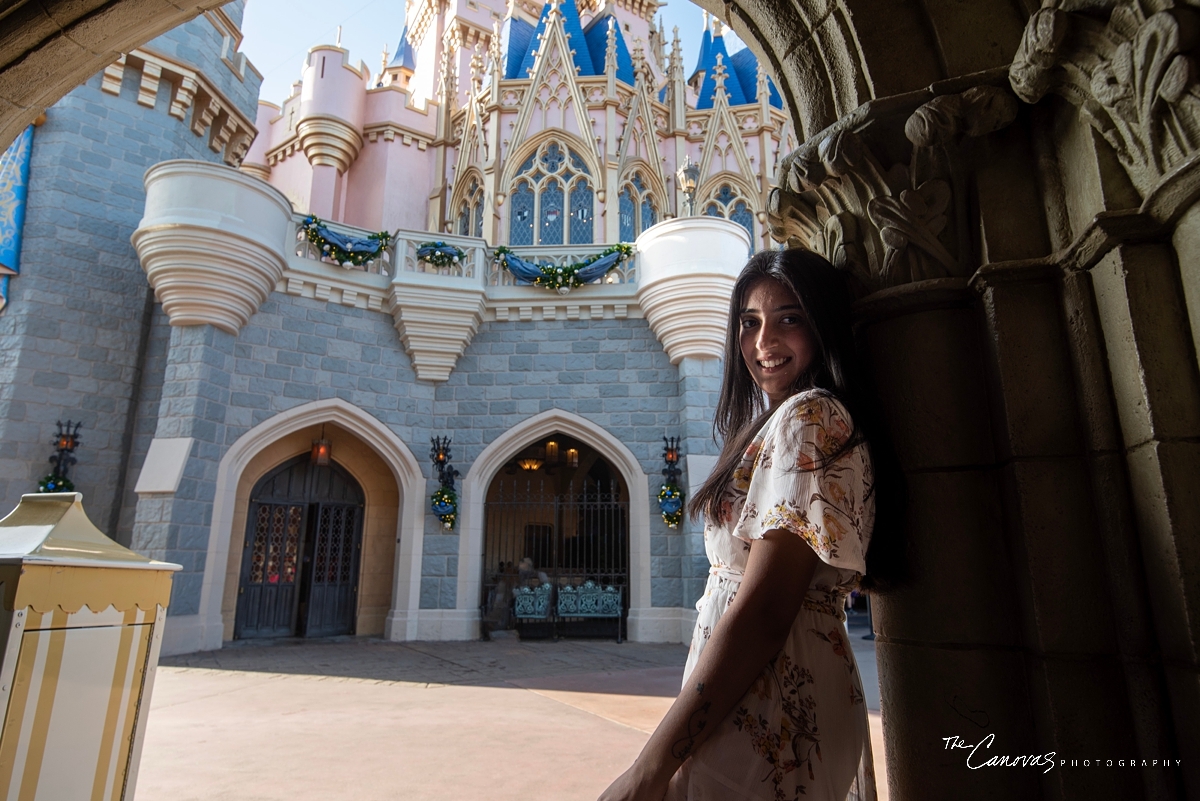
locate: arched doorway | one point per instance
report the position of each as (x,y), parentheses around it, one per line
(556,532)
(301,553)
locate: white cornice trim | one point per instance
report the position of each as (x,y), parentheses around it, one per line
(436,317)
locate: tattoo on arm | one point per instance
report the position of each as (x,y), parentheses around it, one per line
(696,723)
(700,688)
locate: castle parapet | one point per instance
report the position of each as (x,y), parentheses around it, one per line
(211,242)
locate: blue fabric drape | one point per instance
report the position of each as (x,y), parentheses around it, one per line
(528,271)
(349,244)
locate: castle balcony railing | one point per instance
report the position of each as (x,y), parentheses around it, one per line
(401,253)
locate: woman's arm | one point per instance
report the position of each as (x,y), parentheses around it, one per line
(753,630)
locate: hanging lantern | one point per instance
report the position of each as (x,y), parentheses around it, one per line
(552,452)
(572,457)
(322,450)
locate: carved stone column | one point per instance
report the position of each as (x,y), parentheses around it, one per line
(936,204)
(1130,68)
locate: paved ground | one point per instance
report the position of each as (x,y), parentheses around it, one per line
(362,719)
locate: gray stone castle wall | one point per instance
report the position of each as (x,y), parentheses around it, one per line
(74,336)
(297,350)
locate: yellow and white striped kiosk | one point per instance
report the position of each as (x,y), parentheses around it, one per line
(80,631)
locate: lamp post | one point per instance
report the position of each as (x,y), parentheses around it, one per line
(688,176)
(65,442)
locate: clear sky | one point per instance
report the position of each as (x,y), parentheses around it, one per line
(280,32)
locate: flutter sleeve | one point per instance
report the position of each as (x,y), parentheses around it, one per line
(796,486)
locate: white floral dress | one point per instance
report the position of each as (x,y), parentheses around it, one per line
(801,731)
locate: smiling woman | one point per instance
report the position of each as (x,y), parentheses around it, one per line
(790,512)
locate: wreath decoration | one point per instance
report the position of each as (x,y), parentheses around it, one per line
(53,483)
(444,504)
(439,254)
(341,249)
(670,503)
(567,277)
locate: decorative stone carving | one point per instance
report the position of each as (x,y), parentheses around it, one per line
(211,242)
(436,317)
(687,270)
(329,141)
(1133,76)
(888,225)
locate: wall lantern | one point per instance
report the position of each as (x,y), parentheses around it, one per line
(670,496)
(322,450)
(572,457)
(444,501)
(65,442)
(552,452)
(689,177)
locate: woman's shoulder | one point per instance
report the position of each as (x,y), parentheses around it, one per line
(815,405)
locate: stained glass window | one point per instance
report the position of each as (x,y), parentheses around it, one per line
(627,212)
(637,208)
(477,214)
(541,193)
(520,229)
(744,217)
(464,220)
(726,203)
(551,201)
(649,214)
(581,212)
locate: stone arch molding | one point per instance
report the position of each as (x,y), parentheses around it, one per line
(401,620)
(488,463)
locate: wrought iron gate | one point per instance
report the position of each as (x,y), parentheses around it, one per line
(301,554)
(558,542)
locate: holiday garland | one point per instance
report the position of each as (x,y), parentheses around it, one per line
(670,503)
(444,504)
(341,249)
(439,254)
(567,277)
(53,483)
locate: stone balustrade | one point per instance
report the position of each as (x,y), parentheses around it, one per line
(215,242)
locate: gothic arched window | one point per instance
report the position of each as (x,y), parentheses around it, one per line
(637,210)
(470,211)
(725,203)
(552,199)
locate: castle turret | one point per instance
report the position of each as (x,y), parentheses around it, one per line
(330,123)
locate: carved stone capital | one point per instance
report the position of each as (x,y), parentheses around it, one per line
(328,141)
(1131,70)
(888,223)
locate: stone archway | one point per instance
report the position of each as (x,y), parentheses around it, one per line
(493,458)
(1051,414)
(409,526)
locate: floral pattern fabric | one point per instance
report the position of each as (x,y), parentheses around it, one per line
(801,731)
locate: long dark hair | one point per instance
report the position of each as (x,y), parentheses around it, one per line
(824,298)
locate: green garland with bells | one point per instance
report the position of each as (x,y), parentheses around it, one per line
(555,277)
(444,503)
(668,494)
(439,254)
(337,254)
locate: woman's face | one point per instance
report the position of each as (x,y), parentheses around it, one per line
(777,344)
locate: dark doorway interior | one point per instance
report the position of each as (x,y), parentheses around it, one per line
(300,559)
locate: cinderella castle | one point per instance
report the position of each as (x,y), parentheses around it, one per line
(429,351)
